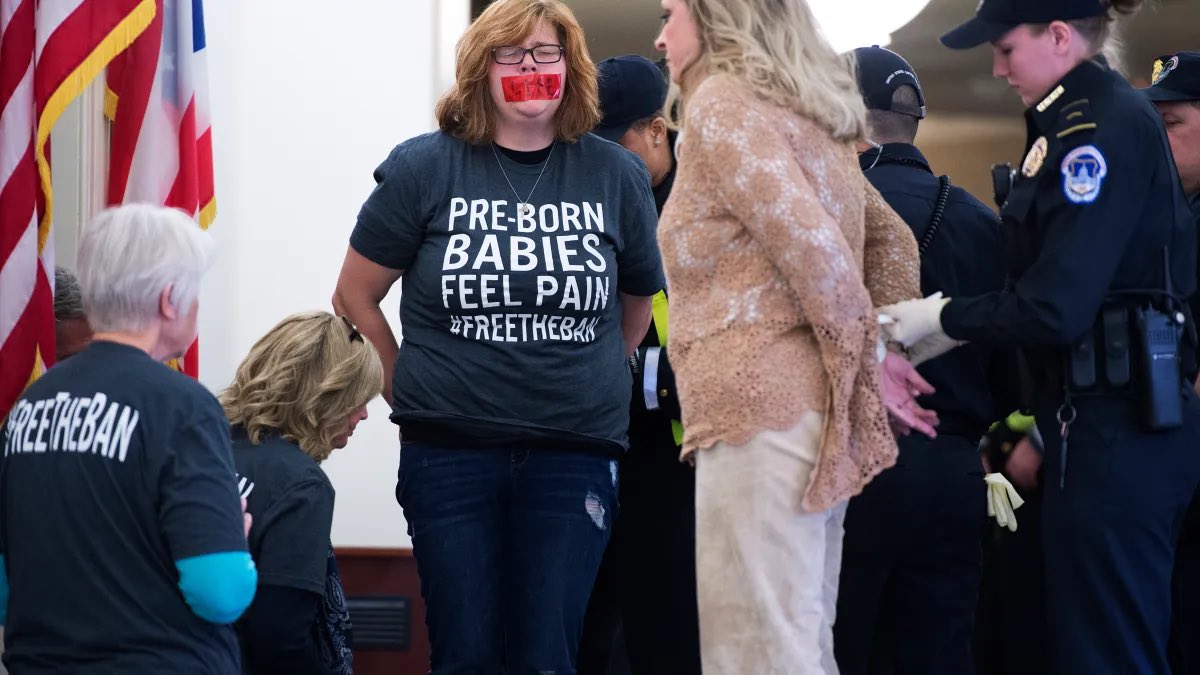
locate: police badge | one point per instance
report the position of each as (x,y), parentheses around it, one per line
(1033,160)
(1083,171)
(1162,69)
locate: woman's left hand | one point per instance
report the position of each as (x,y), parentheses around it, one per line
(901,385)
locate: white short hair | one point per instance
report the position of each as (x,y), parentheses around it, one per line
(129,254)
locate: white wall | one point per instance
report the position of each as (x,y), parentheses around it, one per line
(306,101)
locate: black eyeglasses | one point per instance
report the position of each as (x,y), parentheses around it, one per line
(511,55)
(354,335)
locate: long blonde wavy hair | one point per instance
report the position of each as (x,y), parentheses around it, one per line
(775,47)
(303,379)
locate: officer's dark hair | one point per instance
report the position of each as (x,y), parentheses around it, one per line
(645,121)
(893,127)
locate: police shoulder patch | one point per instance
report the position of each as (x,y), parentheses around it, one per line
(1083,170)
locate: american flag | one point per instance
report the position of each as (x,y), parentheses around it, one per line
(161,144)
(50,50)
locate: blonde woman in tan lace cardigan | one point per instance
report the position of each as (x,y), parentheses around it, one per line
(777,250)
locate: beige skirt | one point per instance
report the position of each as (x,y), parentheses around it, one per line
(766,570)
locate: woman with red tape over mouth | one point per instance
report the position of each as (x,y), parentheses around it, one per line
(527,251)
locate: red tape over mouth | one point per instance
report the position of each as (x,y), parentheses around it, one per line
(532,87)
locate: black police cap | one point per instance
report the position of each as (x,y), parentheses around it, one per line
(994,18)
(1176,77)
(880,73)
(632,88)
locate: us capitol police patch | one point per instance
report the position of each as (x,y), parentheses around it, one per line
(1083,171)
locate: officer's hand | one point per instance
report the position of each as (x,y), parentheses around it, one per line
(901,385)
(931,347)
(910,321)
(1023,466)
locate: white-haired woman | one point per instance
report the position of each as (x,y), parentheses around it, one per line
(123,540)
(297,397)
(777,249)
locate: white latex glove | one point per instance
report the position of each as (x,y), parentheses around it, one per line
(1003,500)
(912,320)
(931,347)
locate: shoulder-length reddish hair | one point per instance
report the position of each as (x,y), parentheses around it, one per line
(467,110)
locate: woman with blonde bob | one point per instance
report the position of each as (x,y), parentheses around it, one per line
(777,250)
(296,398)
(527,250)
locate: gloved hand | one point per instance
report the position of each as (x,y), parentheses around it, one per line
(1003,500)
(910,321)
(931,347)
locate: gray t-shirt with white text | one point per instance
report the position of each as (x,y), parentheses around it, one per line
(511,317)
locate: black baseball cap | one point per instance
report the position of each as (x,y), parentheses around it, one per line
(1176,77)
(994,18)
(631,88)
(880,73)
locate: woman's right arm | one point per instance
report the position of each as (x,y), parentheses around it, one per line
(384,243)
(361,286)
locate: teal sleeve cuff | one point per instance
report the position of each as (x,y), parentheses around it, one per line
(3,592)
(218,586)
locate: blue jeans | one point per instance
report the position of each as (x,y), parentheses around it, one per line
(507,543)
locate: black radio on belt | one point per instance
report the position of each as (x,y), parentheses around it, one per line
(1159,333)
(1134,348)
(1161,371)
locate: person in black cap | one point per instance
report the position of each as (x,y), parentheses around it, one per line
(911,559)
(632,92)
(1104,258)
(1175,91)
(647,582)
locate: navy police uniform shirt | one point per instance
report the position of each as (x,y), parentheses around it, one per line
(1094,203)
(964,258)
(1194,302)
(115,467)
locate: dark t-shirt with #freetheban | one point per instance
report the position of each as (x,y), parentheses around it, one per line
(511,317)
(291,501)
(114,467)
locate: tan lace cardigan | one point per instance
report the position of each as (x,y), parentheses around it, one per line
(765,238)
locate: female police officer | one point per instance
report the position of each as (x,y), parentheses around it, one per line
(1104,252)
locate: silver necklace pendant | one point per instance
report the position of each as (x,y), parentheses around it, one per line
(524,208)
